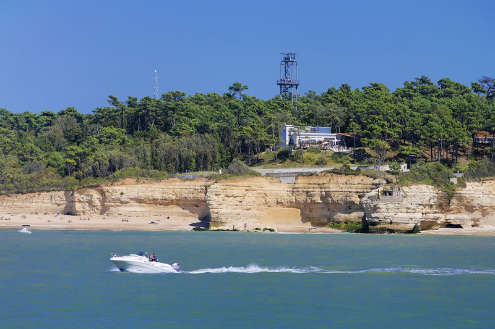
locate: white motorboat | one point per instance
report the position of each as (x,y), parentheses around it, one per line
(143,264)
(24,230)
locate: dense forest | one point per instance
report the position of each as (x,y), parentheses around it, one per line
(180,133)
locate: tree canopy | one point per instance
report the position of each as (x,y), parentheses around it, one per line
(180,133)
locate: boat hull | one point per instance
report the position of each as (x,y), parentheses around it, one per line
(141,265)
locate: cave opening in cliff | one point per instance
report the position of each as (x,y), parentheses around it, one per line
(449,225)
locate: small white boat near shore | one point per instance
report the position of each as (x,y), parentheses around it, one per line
(25,230)
(142,264)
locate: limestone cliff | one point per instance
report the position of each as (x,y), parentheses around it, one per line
(266,202)
(239,203)
(35,203)
(426,207)
(173,198)
(310,201)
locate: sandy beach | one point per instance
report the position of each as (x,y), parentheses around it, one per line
(480,231)
(105,223)
(111,223)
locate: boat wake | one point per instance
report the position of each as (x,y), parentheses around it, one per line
(312,269)
(253,269)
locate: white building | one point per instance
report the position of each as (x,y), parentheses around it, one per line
(303,137)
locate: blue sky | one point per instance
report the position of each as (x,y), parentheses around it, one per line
(56,54)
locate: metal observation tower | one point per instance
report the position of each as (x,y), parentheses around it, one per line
(289,81)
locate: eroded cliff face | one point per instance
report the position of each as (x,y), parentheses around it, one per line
(238,203)
(180,199)
(426,207)
(265,202)
(35,203)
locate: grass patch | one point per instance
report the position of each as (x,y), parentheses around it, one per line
(311,157)
(340,157)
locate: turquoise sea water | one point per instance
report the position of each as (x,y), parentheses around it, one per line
(63,279)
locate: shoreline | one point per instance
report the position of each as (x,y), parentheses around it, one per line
(306,205)
(118,224)
(477,231)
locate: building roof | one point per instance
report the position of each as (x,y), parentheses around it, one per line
(483,134)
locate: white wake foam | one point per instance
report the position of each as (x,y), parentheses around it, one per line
(253,269)
(441,271)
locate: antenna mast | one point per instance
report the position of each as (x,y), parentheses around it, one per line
(289,81)
(156,88)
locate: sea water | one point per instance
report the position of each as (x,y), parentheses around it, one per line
(63,279)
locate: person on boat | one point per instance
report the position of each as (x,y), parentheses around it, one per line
(153,257)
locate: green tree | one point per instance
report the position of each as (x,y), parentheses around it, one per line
(236,89)
(380,147)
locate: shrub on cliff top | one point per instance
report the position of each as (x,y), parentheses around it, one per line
(134,172)
(434,174)
(283,154)
(478,170)
(346,170)
(341,157)
(239,168)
